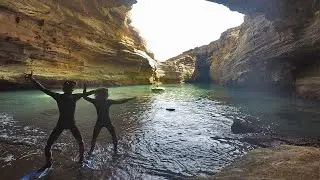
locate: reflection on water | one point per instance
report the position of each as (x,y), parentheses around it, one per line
(153,142)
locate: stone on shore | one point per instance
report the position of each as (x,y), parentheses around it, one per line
(284,162)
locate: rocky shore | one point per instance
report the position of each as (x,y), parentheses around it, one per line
(284,162)
(275,156)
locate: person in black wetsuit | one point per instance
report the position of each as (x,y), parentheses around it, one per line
(102,105)
(67,105)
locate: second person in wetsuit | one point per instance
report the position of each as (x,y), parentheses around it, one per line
(102,105)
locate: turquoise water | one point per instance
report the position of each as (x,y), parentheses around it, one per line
(153,143)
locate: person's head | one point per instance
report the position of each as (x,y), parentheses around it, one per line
(68,86)
(101,93)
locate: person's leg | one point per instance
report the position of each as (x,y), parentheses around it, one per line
(114,137)
(52,138)
(95,135)
(77,135)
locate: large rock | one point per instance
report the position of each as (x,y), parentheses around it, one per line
(82,40)
(276,48)
(176,70)
(285,162)
(241,127)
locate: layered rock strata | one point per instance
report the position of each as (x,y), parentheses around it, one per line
(176,70)
(276,48)
(86,41)
(285,162)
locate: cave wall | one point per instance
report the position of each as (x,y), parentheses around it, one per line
(176,70)
(86,41)
(275,49)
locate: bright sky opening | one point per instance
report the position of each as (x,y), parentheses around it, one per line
(171,27)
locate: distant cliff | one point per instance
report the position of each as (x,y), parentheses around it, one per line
(87,41)
(176,70)
(276,48)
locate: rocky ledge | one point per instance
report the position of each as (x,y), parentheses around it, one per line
(275,157)
(86,41)
(284,162)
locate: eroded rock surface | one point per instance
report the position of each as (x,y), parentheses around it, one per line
(176,70)
(285,162)
(89,41)
(276,48)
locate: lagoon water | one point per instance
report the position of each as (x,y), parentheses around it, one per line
(153,143)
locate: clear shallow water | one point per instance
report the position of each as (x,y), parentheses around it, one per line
(153,143)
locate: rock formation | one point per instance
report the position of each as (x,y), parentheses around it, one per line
(285,162)
(276,48)
(241,127)
(89,41)
(176,70)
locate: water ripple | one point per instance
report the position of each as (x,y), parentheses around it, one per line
(194,140)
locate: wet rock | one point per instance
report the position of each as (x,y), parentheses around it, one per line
(240,127)
(309,87)
(284,162)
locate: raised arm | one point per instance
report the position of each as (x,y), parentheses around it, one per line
(86,94)
(40,86)
(121,101)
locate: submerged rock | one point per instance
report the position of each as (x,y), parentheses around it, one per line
(239,127)
(157,90)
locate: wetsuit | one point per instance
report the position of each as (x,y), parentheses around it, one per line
(102,108)
(67,105)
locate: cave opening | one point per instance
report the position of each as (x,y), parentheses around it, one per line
(173,27)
